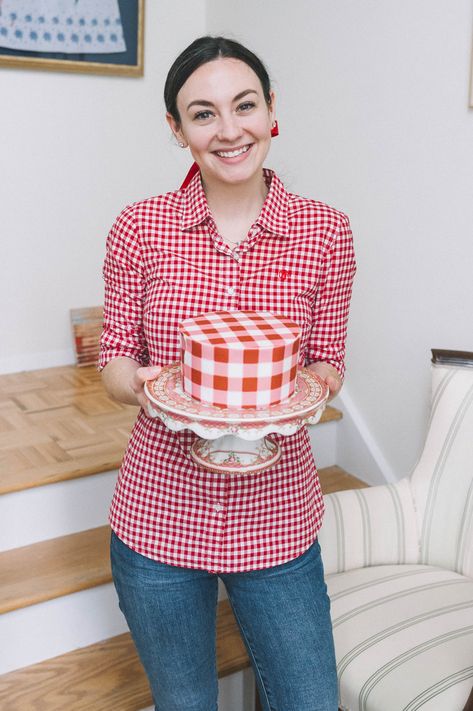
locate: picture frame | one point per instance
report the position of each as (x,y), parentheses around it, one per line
(124,62)
(471,81)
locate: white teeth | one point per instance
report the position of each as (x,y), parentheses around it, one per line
(233,154)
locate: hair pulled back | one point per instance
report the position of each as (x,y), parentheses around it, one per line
(203,50)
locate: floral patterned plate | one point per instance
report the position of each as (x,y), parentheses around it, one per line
(233,440)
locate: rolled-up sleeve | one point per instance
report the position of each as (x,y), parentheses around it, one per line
(330,314)
(123,333)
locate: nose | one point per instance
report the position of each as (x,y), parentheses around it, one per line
(228,128)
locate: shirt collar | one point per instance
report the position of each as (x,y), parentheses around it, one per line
(194,205)
(274,213)
(273,216)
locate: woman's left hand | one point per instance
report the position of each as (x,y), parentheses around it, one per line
(330,376)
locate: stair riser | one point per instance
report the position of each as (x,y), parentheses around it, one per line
(323,439)
(55,510)
(236,692)
(49,629)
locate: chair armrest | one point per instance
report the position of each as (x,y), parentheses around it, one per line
(373,526)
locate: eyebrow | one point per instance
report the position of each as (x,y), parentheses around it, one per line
(203,102)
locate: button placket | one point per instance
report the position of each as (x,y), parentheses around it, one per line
(231,288)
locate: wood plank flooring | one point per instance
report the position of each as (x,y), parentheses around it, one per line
(58,424)
(49,569)
(105,676)
(335,478)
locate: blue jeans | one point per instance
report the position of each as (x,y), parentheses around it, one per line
(283,614)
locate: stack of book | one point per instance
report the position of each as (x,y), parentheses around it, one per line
(86,329)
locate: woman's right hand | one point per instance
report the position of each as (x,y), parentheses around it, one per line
(140,376)
(124,381)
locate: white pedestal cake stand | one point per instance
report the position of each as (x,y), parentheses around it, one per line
(235,440)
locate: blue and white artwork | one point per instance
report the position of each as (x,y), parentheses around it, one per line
(69,26)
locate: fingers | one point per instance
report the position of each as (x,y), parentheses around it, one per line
(141,375)
(334,385)
(148,373)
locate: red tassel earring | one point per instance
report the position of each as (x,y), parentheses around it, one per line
(275,129)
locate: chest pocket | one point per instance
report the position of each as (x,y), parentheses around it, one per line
(283,289)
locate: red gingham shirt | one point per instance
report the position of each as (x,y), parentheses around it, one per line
(165,262)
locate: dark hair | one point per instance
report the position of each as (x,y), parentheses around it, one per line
(201,51)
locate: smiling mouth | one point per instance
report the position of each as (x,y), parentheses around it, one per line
(235,153)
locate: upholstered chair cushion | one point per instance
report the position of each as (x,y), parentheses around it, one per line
(370,526)
(399,569)
(442,483)
(404,638)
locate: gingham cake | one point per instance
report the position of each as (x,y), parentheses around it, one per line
(242,359)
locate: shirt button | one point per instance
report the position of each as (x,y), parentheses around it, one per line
(218,508)
(236,256)
(231,290)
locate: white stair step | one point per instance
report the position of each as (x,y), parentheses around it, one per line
(49,629)
(58,509)
(57,596)
(108,675)
(45,512)
(57,626)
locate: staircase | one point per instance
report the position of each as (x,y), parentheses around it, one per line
(65,642)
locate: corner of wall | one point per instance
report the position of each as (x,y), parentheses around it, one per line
(357,450)
(36,361)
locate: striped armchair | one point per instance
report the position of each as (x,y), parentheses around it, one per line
(399,568)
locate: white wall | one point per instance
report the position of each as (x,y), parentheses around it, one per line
(75,150)
(373,109)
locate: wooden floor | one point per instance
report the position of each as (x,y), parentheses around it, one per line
(106,676)
(49,569)
(58,424)
(337,479)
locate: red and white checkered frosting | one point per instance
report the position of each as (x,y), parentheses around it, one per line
(240,359)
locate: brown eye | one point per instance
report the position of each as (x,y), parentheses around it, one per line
(246,106)
(202,115)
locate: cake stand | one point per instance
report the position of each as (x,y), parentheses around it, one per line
(232,440)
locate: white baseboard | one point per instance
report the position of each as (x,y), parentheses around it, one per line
(35,361)
(357,450)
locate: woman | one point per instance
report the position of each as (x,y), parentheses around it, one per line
(233,238)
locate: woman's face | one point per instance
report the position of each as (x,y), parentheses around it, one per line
(225,121)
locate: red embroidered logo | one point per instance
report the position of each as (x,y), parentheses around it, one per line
(283,274)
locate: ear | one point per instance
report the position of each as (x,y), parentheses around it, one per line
(272,106)
(175,128)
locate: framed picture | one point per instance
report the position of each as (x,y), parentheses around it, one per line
(86,36)
(471,81)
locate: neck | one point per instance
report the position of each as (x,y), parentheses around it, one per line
(230,200)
